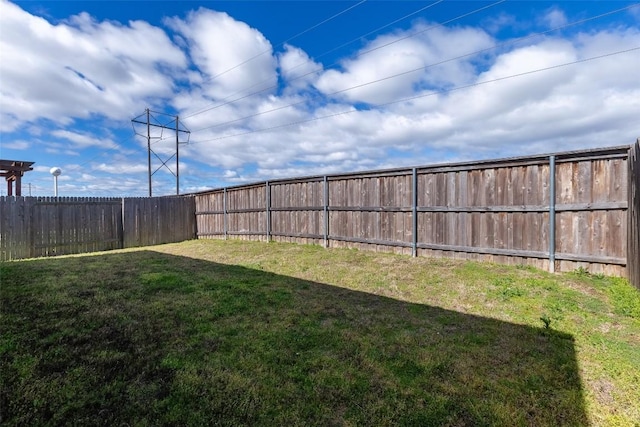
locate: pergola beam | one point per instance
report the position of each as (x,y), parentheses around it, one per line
(12,171)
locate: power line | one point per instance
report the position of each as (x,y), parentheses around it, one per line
(442,24)
(316,57)
(296,78)
(440,92)
(360,54)
(422,68)
(373,31)
(323,22)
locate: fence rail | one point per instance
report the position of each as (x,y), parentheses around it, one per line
(559,212)
(45,226)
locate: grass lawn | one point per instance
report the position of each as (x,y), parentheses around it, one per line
(247,333)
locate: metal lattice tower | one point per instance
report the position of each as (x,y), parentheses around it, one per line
(150,121)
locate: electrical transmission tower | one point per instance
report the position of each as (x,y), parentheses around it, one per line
(148,118)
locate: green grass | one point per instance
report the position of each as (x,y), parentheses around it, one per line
(248,333)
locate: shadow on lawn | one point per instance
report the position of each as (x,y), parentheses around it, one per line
(154,339)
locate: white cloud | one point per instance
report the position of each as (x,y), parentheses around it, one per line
(16,145)
(582,105)
(296,68)
(494,24)
(399,64)
(83,139)
(38,168)
(218,44)
(120,168)
(80,67)
(554,18)
(238,73)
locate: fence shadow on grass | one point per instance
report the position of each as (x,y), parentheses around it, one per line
(150,338)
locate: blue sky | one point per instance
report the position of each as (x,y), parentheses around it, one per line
(276,89)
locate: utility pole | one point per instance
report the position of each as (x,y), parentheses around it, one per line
(149,150)
(172,125)
(177,156)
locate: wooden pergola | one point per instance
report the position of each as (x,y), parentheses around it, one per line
(12,171)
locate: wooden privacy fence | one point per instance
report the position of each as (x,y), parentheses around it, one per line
(44,226)
(558,212)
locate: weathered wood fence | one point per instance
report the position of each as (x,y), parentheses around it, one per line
(45,226)
(558,212)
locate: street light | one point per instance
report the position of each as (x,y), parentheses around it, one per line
(55,171)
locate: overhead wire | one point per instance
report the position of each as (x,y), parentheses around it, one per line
(235,67)
(162,138)
(286,41)
(377,30)
(424,30)
(115,146)
(359,38)
(422,68)
(358,55)
(396,101)
(433,93)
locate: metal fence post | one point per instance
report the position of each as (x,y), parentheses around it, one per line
(122,227)
(414,213)
(224,213)
(552,213)
(326,211)
(268,206)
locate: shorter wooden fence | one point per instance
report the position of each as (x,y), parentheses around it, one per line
(45,226)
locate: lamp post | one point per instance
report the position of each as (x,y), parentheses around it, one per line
(55,171)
